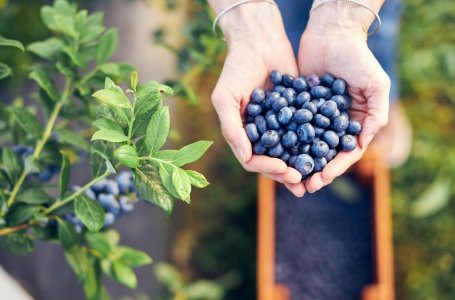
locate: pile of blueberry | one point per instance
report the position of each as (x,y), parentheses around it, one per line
(45,175)
(304,121)
(117,196)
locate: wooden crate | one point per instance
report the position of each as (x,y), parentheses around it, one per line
(371,170)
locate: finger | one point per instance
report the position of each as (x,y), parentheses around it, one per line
(290,176)
(378,111)
(316,182)
(266,165)
(298,189)
(231,126)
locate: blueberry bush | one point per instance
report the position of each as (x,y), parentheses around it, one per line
(80,112)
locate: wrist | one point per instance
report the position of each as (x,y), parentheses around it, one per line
(252,21)
(342,18)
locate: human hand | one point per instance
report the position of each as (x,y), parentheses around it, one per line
(332,44)
(254,51)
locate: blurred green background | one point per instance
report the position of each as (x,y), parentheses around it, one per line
(215,238)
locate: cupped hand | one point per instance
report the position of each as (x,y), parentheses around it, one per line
(247,66)
(345,54)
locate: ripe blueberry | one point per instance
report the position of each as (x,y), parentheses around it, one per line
(327,80)
(304,164)
(274,96)
(340,123)
(302,98)
(270,138)
(354,127)
(305,133)
(289,94)
(272,121)
(319,149)
(285,115)
(109,219)
(321,121)
(305,148)
(279,104)
(276,151)
(348,142)
(126,205)
(331,138)
(292,126)
(328,108)
(313,80)
(287,80)
(289,139)
(318,102)
(99,186)
(124,181)
(259,149)
(285,156)
(340,101)
(257,96)
(112,187)
(318,91)
(303,116)
(300,84)
(318,131)
(253,109)
(319,164)
(279,88)
(311,107)
(292,160)
(330,155)
(275,77)
(252,132)
(261,124)
(339,87)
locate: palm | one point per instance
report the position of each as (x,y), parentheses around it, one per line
(348,57)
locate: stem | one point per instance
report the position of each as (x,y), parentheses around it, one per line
(9,230)
(89,75)
(73,196)
(149,158)
(42,142)
(133,118)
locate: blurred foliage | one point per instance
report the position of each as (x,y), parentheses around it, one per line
(424,197)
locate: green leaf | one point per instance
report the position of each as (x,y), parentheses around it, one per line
(197,179)
(191,153)
(109,84)
(205,289)
(5,71)
(107,124)
(11,43)
(110,136)
(21,213)
(169,276)
(157,129)
(47,49)
(74,55)
(11,164)
(133,257)
(99,242)
(167,155)
(145,103)
(79,261)
(100,162)
(90,213)
(26,120)
(149,186)
(124,274)
(34,195)
(112,98)
(127,155)
(45,83)
(153,87)
(433,199)
(182,184)
(93,27)
(16,243)
(67,234)
(64,176)
(111,69)
(107,46)
(134,80)
(72,138)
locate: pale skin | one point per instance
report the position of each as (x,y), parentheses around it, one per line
(334,41)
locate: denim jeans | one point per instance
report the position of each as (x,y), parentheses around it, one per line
(383,44)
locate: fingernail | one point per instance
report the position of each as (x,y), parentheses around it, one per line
(368,141)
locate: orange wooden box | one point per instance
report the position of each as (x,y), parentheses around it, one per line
(372,170)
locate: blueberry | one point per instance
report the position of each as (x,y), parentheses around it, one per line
(261,124)
(319,164)
(303,116)
(73,219)
(279,104)
(318,131)
(252,132)
(289,139)
(321,121)
(276,151)
(274,96)
(285,115)
(293,109)
(257,96)
(316,140)
(348,101)
(99,186)
(318,91)
(289,94)
(292,160)
(305,133)
(300,84)
(90,193)
(45,175)
(287,80)
(109,203)
(285,156)
(109,219)
(318,102)
(340,101)
(112,187)
(341,133)
(329,94)
(354,127)
(330,155)
(295,150)
(340,123)
(348,142)
(339,87)
(292,126)
(126,205)
(124,181)
(281,132)
(304,164)
(275,77)
(305,148)
(336,114)
(270,138)
(319,149)
(328,108)
(279,88)
(327,80)
(269,113)
(331,138)
(249,119)
(313,80)
(302,98)
(253,109)
(311,107)
(259,149)
(272,122)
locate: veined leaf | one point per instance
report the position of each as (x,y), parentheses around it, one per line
(127,155)
(26,121)
(157,129)
(34,195)
(107,46)
(11,43)
(112,98)
(110,136)
(66,234)
(124,274)
(45,83)
(90,213)
(191,153)
(5,71)
(197,179)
